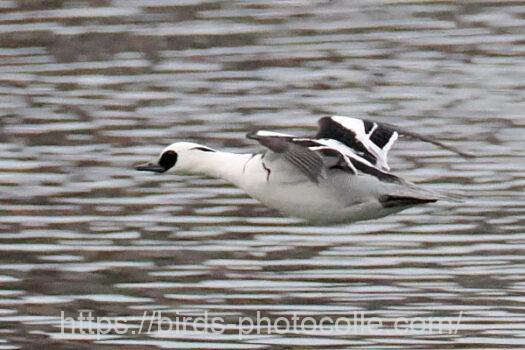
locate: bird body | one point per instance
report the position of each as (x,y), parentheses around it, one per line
(339,176)
(337,199)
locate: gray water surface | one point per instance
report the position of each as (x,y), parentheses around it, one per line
(89,89)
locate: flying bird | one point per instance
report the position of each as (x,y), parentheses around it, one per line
(340,175)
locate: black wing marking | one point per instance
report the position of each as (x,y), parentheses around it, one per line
(315,157)
(350,136)
(370,140)
(307,161)
(373,171)
(354,163)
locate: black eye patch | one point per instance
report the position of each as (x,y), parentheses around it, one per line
(168,160)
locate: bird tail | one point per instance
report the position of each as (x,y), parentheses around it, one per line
(409,194)
(392,201)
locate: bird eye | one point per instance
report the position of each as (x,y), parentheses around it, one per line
(168,159)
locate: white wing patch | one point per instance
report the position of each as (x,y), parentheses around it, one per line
(372,139)
(271,133)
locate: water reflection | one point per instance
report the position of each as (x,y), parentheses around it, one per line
(89,90)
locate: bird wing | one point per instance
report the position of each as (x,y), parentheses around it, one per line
(370,140)
(315,157)
(308,156)
(356,146)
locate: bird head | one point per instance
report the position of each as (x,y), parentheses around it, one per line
(179,157)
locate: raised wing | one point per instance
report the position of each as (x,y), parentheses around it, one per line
(370,140)
(310,157)
(316,157)
(307,161)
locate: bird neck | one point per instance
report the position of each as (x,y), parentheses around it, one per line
(222,165)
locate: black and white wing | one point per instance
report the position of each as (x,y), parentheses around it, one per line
(310,157)
(370,140)
(352,145)
(315,158)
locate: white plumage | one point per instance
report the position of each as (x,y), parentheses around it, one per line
(341,175)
